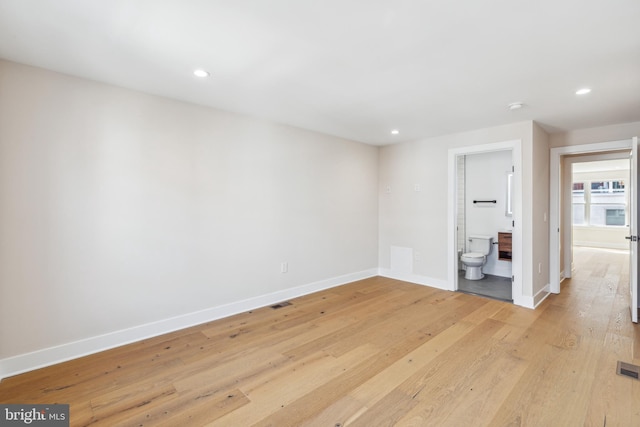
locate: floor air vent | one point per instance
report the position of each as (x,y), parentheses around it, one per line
(628,370)
(280,305)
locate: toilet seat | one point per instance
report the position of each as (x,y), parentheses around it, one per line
(473,255)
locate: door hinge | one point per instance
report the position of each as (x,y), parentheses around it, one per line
(513,168)
(513,278)
(513,223)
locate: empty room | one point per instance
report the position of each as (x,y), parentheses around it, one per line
(292,213)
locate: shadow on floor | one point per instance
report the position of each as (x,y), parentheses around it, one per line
(495,287)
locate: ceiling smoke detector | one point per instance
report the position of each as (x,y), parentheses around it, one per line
(515,106)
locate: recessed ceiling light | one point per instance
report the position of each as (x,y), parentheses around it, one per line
(200,73)
(583,91)
(395,132)
(515,106)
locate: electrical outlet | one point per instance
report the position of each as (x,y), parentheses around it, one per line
(416,187)
(539,268)
(284,267)
(387,189)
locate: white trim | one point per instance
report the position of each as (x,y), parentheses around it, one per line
(541,295)
(52,355)
(546,292)
(415,278)
(554,202)
(515,146)
(527,302)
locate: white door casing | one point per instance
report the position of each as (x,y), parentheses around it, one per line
(633,232)
(515,147)
(555,212)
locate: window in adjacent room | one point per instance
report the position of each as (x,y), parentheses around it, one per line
(599,203)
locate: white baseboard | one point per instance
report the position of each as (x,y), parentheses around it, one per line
(525,301)
(416,278)
(540,296)
(49,356)
(534,301)
(622,245)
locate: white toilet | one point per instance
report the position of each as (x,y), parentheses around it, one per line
(479,248)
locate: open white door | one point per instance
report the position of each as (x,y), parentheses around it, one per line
(633,229)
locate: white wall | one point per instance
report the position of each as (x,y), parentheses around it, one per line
(601,237)
(617,132)
(539,211)
(460,201)
(419,219)
(486,179)
(120,209)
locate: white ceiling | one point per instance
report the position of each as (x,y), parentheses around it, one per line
(351,68)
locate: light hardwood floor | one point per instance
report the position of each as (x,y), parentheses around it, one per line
(377,352)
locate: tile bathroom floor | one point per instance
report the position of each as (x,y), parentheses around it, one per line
(495,287)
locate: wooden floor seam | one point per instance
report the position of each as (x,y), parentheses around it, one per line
(376,352)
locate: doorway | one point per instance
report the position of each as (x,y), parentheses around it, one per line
(457,234)
(560,237)
(483,215)
(596,208)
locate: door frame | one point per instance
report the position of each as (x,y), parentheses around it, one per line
(555,182)
(515,146)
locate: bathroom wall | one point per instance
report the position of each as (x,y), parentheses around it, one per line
(486,179)
(460,200)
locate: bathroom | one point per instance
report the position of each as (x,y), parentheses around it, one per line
(484,224)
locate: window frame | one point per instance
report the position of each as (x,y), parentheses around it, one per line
(585,189)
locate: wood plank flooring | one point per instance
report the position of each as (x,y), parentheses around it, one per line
(377,352)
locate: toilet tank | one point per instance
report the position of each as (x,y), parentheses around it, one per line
(480,244)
